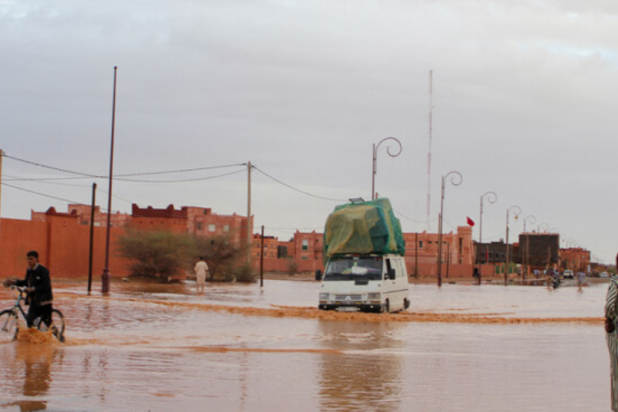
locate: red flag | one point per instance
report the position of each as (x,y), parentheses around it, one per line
(470,222)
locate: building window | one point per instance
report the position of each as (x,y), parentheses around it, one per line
(420,244)
(212,228)
(226,228)
(199,225)
(305,244)
(304,258)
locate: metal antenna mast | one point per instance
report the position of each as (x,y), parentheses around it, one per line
(429,152)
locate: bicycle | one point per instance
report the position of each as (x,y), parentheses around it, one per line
(9,326)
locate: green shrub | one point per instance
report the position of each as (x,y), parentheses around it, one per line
(222,255)
(245,273)
(155,254)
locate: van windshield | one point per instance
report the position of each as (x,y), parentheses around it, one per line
(354,268)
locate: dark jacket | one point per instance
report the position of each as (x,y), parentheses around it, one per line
(39,279)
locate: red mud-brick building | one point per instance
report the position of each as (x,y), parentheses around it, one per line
(575,259)
(63,239)
(305,249)
(458,251)
(63,244)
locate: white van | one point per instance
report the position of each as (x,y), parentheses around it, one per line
(377,283)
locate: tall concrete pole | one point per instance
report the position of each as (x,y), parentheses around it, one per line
(106,277)
(429,149)
(90,249)
(249,225)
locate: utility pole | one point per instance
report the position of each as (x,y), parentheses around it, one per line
(262,258)
(249,225)
(94,191)
(416,256)
(105,278)
(429,149)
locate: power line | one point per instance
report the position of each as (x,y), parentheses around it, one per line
(412,220)
(194,169)
(297,190)
(196,179)
(69,201)
(42,194)
(50,167)
(47,181)
(119,178)
(87,175)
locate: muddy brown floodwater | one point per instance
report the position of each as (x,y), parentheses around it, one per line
(153,347)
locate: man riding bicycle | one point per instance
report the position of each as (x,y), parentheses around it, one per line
(39,289)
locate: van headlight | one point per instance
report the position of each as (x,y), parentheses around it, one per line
(373,296)
(324,296)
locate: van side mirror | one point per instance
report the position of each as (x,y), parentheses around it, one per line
(392,274)
(318,275)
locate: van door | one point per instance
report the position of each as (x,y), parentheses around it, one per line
(396,290)
(390,285)
(401,282)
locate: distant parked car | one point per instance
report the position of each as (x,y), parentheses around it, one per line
(567,274)
(603,275)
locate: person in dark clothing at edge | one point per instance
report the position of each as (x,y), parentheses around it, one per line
(39,290)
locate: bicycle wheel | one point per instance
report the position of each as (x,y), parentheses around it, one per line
(8,325)
(57,324)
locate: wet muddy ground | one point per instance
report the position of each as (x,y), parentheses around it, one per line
(154,347)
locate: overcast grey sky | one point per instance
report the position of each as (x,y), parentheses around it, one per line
(524,105)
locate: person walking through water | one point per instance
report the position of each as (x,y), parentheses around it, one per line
(611,315)
(200,274)
(39,290)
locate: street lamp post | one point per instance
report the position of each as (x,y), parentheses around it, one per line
(455,181)
(506,266)
(540,228)
(526,267)
(491,198)
(375,161)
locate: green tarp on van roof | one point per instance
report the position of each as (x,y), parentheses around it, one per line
(363,228)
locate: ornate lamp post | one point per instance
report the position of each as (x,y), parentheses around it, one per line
(491,198)
(540,228)
(375,161)
(524,272)
(517,210)
(455,181)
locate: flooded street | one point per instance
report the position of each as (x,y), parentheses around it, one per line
(152,347)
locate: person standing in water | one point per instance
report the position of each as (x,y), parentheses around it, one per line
(200,269)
